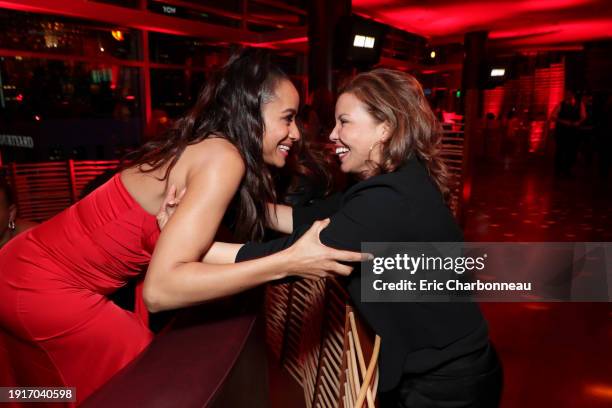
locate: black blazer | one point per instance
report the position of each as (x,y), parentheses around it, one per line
(403,206)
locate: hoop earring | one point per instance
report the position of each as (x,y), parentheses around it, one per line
(11,225)
(371,148)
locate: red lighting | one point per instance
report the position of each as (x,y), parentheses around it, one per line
(525,21)
(130,97)
(600,390)
(493,99)
(19,98)
(536,306)
(536,135)
(275,44)
(37,118)
(467,191)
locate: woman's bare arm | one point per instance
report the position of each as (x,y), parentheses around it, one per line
(222,253)
(176,277)
(281,218)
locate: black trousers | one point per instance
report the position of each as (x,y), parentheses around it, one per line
(473,381)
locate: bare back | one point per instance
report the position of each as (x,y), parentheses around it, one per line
(149,190)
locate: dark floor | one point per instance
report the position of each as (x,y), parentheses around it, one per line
(554,354)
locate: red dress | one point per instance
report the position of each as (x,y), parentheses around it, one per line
(55,319)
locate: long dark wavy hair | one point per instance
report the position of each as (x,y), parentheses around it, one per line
(397,98)
(6,189)
(229,106)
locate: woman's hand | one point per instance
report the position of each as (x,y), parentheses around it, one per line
(168,206)
(309,258)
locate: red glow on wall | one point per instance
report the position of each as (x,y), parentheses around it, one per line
(602,391)
(115,69)
(493,99)
(536,135)
(532,97)
(556,77)
(467,191)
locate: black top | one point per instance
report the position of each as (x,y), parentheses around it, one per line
(403,206)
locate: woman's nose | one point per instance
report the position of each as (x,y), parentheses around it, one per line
(333,136)
(294,133)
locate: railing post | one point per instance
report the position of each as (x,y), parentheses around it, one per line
(13,177)
(72,178)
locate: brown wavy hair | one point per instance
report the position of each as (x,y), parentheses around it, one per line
(229,106)
(397,98)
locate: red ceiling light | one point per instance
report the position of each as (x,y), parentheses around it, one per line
(518,22)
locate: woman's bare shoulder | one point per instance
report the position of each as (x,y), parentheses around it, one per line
(214,150)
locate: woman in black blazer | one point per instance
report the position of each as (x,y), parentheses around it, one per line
(432,354)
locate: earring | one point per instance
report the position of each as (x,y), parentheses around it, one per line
(11,225)
(372,147)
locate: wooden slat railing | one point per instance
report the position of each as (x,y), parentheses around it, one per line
(45,189)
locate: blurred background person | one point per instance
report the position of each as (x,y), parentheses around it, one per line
(11,225)
(567,116)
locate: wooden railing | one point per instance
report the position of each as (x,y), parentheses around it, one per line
(45,189)
(452,154)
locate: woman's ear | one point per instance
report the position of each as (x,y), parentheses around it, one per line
(385,131)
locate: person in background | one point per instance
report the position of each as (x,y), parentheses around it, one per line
(587,129)
(567,116)
(10,225)
(603,139)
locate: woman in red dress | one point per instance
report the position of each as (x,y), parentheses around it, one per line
(55,278)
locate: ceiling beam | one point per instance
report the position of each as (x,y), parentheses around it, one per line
(134,18)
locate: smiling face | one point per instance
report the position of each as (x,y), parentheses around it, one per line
(358,136)
(279,119)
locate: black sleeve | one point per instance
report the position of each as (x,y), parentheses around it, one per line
(252,250)
(368,215)
(317,210)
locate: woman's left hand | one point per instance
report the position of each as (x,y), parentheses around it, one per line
(168,206)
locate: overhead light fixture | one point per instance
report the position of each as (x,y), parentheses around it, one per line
(498,72)
(363,41)
(117,35)
(432,54)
